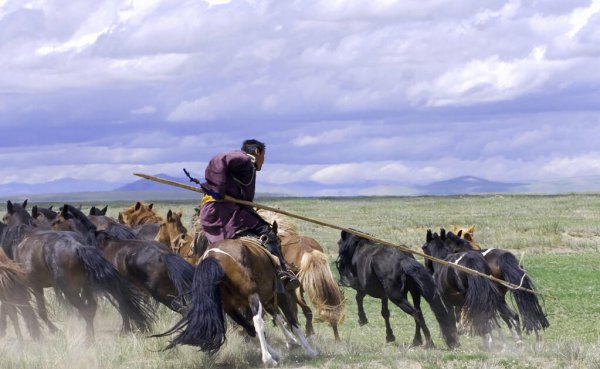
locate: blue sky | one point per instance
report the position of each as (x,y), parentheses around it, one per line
(372,94)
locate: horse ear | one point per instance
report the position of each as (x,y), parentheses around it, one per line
(24,204)
(442,233)
(92,210)
(34,211)
(275,226)
(180,213)
(169,216)
(120,218)
(64,211)
(454,228)
(138,205)
(150,206)
(10,207)
(429,236)
(459,234)
(471,229)
(50,207)
(104,209)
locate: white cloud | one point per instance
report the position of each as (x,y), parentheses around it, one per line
(144,110)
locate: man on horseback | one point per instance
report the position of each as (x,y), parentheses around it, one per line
(234,174)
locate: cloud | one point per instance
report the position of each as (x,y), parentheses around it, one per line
(146,109)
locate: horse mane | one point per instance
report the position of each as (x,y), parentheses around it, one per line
(347,245)
(83,219)
(286,227)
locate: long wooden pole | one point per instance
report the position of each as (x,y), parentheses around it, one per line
(348,230)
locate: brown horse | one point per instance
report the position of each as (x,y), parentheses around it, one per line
(307,259)
(146,264)
(504,265)
(14,294)
(173,233)
(142,219)
(236,277)
(61,260)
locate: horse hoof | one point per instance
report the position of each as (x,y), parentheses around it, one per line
(389,339)
(362,322)
(269,361)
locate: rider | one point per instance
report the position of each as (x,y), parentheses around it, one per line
(234,174)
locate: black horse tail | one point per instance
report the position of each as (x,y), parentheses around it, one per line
(105,277)
(181,274)
(482,298)
(203,323)
(532,315)
(427,288)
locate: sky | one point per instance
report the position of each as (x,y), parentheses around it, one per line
(350,96)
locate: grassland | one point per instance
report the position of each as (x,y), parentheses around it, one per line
(557,237)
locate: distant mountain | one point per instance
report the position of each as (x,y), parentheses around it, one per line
(468,185)
(63,185)
(147,185)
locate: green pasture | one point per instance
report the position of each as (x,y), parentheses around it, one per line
(556,237)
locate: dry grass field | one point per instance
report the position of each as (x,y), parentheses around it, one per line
(556,237)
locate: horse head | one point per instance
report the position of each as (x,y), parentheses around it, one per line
(171,228)
(434,246)
(346,247)
(454,243)
(99,212)
(270,239)
(17,214)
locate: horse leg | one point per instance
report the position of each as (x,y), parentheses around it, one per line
(40,300)
(259,326)
(512,321)
(416,297)
(242,321)
(3,316)
(11,311)
(385,313)
(362,317)
(306,311)
(403,304)
(284,304)
(290,340)
(86,305)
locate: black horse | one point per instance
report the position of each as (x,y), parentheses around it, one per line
(476,298)
(504,265)
(146,264)
(387,273)
(61,260)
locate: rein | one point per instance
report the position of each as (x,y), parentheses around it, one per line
(348,230)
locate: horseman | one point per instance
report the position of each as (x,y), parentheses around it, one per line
(234,174)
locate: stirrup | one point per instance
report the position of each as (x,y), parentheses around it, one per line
(290,282)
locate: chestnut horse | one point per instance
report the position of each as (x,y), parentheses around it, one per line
(236,277)
(306,258)
(172,232)
(142,219)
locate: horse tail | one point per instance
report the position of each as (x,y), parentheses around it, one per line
(15,292)
(482,298)
(105,277)
(318,282)
(532,314)
(427,288)
(180,272)
(203,323)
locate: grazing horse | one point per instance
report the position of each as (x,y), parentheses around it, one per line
(505,266)
(61,260)
(475,297)
(306,258)
(237,278)
(146,264)
(387,273)
(15,296)
(142,219)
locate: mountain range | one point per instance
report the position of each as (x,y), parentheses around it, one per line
(77,190)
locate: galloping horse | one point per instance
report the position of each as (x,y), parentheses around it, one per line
(476,298)
(387,273)
(61,260)
(173,233)
(505,266)
(307,259)
(146,264)
(236,277)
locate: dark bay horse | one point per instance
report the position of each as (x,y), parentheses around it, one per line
(146,264)
(504,265)
(61,260)
(306,258)
(476,298)
(237,278)
(389,274)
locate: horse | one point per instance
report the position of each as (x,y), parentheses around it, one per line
(61,260)
(142,219)
(306,258)
(475,297)
(146,264)
(389,274)
(236,277)
(172,232)
(15,297)
(504,265)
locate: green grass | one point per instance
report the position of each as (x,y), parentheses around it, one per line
(557,238)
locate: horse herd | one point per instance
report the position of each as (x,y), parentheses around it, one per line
(141,259)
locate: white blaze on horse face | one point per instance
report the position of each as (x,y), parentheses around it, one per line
(259,326)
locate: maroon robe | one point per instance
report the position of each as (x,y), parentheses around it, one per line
(232,173)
